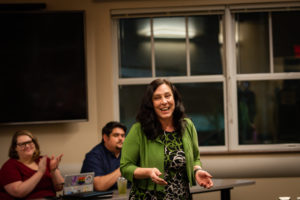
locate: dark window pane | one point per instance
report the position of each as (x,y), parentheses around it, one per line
(170,46)
(130,97)
(286,41)
(204,105)
(269,112)
(135,48)
(252,43)
(205,47)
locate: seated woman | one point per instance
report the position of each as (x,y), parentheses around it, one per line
(27,175)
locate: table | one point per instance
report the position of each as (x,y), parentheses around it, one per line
(222,185)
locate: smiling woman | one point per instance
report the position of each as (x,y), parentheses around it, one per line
(27,174)
(160,154)
(163,103)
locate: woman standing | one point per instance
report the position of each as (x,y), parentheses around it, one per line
(160,154)
(27,175)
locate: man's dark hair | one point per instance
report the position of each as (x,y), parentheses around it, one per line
(147,116)
(107,129)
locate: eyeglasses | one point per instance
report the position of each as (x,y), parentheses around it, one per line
(23,144)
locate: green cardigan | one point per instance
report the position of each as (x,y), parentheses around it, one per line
(138,151)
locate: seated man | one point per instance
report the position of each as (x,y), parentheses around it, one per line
(104,158)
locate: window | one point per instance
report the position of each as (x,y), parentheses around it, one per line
(179,48)
(241,91)
(252,43)
(269,106)
(135,48)
(206,111)
(269,111)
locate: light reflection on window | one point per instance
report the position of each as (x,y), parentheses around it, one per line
(170,49)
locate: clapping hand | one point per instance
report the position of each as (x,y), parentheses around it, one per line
(42,164)
(54,162)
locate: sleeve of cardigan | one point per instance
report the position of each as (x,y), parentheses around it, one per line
(130,152)
(195,144)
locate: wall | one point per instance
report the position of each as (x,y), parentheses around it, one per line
(72,139)
(75,139)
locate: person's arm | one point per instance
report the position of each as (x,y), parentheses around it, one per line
(57,178)
(21,189)
(202,177)
(195,144)
(95,162)
(102,183)
(130,153)
(131,157)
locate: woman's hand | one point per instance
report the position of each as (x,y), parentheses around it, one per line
(203,178)
(42,164)
(56,176)
(54,162)
(154,175)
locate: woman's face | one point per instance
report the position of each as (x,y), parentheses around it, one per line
(163,102)
(25,146)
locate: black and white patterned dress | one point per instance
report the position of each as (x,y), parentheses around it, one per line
(175,173)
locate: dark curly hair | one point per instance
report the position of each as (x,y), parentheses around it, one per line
(147,116)
(12,150)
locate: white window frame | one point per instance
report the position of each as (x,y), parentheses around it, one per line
(234,146)
(229,77)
